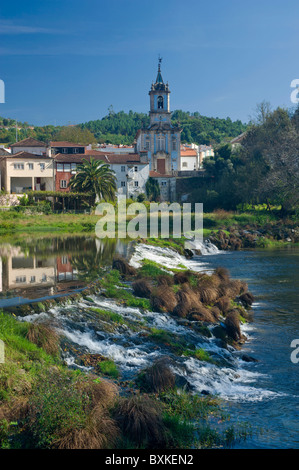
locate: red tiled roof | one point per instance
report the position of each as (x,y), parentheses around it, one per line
(188,153)
(29,142)
(23,154)
(95,152)
(123,158)
(4,152)
(78,157)
(65,144)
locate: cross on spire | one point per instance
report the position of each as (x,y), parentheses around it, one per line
(159,76)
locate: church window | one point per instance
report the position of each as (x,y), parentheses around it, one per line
(160,143)
(147,143)
(173,143)
(160,102)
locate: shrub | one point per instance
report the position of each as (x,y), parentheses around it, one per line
(223,304)
(202,314)
(247,299)
(141,197)
(157,378)
(44,336)
(99,432)
(163,299)
(182,277)
(108,367)
(232,323)
(216,312)
(123,266)
(55,408)
(142,288)
(140,419)
(208,295)
(222,273)
(101,392)
(164,279)
(187,302)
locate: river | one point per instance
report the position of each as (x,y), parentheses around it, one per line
(264,393)
(273,277)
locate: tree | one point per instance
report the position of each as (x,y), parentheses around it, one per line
(76,134)
(152,189)
(96,178)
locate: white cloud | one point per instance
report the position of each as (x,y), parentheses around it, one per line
(9,28)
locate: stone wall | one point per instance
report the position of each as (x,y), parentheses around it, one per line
(8,200)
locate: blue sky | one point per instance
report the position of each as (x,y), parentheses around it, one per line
(67,61)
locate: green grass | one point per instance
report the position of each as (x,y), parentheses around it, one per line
(176,244)
(108,316)
(178,345)
(113,288)
(151,269)
(190,407)
(199,354)
(13,222)
(17,347)
(109,368)
(112,278)
(127,298)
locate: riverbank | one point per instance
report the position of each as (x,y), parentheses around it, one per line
(227,230)
(159,392)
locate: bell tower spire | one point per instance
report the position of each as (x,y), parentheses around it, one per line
(159,78)
(159,98)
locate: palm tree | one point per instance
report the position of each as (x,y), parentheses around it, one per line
(95,177)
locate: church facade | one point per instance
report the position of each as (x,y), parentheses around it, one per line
(159,144)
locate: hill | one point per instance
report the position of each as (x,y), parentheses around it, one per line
(121,128)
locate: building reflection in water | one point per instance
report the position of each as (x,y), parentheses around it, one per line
(49,266)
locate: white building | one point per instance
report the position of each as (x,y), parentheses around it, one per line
(131,173)
(119,149)
(189,158)
(29,145)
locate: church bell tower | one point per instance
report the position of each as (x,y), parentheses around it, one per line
(160,142)
(159,99)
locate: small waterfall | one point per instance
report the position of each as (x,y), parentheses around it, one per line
(167,257)
(206,247)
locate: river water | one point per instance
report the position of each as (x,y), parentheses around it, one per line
(273,277)
(264,393)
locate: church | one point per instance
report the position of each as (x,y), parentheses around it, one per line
(159,144)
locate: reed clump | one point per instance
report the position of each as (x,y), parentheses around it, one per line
(140,420)
(142,288)
(157,378)
(232,324)
(43,336)
(122,265)
(163,299)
